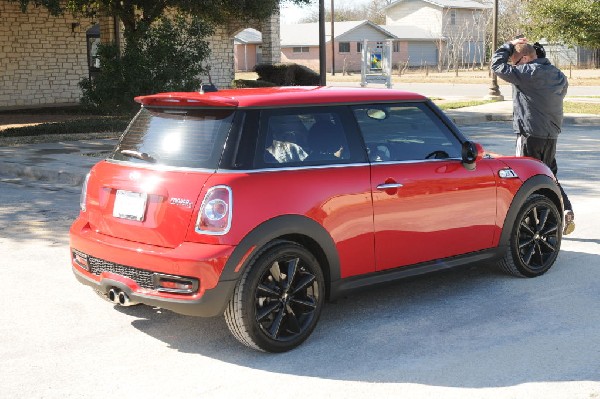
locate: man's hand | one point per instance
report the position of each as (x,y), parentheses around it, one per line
(520,40)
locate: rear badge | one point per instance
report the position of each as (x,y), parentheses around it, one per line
(181,202)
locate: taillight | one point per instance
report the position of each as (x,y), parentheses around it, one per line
(215,213)
(83,197)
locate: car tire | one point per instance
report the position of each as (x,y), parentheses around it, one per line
(270,311)
(534,240)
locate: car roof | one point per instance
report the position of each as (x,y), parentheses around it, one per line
(278,96)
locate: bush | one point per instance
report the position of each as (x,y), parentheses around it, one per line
(287,74)
(167,56)
(245,83)
(305,76)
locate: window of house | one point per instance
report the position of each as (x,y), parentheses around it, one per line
(453,17)
(344,47)
(359,47)
(302,49)
(396,46)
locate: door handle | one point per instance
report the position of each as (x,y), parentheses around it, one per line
(388,186)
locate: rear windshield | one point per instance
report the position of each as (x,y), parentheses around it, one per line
(180,138)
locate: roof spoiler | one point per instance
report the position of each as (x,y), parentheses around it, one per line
(207,98)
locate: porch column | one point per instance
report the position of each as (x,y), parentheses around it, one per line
(271,47)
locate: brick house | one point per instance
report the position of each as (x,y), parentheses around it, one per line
(300,43)
(412,45)
(424,32)
(456,27)
(43,58)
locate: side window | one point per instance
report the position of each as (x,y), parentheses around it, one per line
(305,136)
(405,132)
(286,137)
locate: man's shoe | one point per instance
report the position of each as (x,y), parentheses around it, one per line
(569,222)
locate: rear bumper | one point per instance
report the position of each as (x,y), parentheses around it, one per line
(211,303)
(130,267)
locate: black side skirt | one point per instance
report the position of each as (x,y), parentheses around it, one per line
(350,284)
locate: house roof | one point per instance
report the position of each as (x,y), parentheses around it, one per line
(248,36)
(410,32)
(470,4)
(308,34)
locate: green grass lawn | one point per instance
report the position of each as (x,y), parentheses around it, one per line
(460,104)
(581,108)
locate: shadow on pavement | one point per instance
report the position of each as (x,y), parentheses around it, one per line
(461,328)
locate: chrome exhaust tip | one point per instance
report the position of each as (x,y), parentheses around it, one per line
(124,300)
(113,295)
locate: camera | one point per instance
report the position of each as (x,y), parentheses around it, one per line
(539,50)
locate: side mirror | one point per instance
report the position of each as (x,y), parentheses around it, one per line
(471,153)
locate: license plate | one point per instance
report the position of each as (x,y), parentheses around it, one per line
(130,205)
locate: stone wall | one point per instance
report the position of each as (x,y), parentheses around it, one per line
(42,58)
(221,58)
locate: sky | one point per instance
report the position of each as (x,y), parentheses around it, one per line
(291,14)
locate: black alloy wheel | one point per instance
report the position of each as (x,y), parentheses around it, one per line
(279,300)
(286,299)
(536,238)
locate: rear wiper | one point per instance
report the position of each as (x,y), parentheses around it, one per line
(139,155)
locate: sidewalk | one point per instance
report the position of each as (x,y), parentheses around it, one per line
(68,162)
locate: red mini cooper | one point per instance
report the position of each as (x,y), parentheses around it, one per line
(261,204)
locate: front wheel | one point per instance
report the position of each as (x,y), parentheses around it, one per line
(535,239)
(278,300)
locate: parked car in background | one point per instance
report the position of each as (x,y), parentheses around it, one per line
(261,204)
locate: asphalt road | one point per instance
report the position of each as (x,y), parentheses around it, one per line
(467,333)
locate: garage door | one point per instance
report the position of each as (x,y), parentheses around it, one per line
(420,53)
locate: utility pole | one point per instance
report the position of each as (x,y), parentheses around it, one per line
(322,52)
(494,93)
(332,41)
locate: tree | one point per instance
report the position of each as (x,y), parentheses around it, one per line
(372,11)
(168,57)
(573,22)
(512,21)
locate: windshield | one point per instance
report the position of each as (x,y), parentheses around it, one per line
(172,137)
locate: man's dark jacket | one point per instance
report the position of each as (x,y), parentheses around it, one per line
(539,90)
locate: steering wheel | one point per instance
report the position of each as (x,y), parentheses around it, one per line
(437,154)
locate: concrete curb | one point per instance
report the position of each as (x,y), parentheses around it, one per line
(471,118)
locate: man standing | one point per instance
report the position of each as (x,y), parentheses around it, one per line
(538,92)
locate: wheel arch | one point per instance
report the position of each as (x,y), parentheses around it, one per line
(539,184)
(294,228)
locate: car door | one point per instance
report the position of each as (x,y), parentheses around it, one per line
(309,161)
(426,204)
